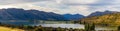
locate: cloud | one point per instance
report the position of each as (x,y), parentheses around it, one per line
(84,7)
(4,2)
(72,2)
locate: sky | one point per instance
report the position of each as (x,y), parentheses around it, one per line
(84,7)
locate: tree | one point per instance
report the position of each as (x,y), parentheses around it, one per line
(118,27)
(92,27)
(87,27)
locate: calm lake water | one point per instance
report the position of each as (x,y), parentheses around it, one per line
(74,26)
(54,24)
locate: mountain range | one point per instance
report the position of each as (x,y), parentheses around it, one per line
(21,14)
(98,13)
(73,17)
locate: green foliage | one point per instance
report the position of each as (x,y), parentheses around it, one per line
(92,27)
(89,27)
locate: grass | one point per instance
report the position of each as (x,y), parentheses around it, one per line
(9,29)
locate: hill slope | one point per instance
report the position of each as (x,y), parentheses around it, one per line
(9,29)
(108,19)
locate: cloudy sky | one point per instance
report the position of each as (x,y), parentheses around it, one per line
(84,7)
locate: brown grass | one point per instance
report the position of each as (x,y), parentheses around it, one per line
(9,29)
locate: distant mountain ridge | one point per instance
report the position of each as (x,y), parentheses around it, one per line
(73,17)
(101,13)
(21,14)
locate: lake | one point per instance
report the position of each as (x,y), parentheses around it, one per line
(74,26)
(54,24)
